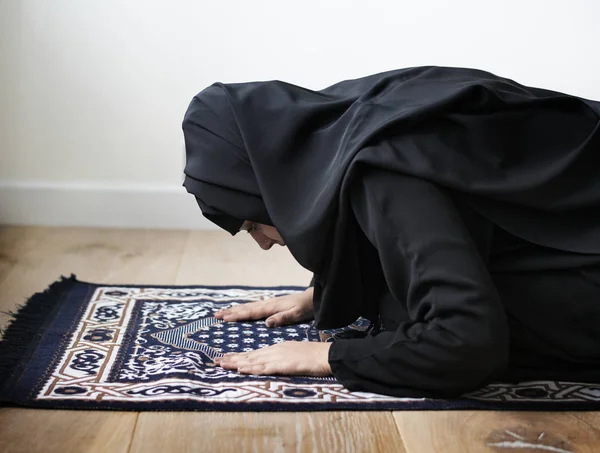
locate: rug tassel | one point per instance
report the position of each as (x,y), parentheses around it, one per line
(25,328)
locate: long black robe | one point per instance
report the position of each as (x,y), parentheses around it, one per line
(522,158)
(460,302)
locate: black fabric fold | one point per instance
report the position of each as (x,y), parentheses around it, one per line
(523,157)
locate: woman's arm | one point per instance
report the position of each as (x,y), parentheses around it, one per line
(457,336)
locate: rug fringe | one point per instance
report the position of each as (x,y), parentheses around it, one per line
(26,325)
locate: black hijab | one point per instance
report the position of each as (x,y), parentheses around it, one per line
(275,153)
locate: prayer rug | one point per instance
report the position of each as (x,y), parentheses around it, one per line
(125,347)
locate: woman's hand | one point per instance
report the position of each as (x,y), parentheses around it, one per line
(279,311)
(306,358)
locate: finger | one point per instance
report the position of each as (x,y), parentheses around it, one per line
(257,353)
(233,308)
(228,365)
(239,360)
(283,318)
(275,367)
(231,358)
(236,365)
(235,359)
(271,351)
(254,369)
(219,314)
(226,311)
(234,314)
(246,312)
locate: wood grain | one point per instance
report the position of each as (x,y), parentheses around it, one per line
(590,418)
(487,431)
(34,430)
(301,432)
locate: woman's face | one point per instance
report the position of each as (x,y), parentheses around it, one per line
(264,235)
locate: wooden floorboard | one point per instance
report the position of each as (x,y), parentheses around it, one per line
(40,430)
(495,431)
(302,432)
(32,257)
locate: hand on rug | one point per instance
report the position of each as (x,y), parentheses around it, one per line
(290,357)
(289,309)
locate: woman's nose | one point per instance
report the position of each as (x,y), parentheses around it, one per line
(266,245)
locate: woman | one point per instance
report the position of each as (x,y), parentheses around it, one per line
(457,210)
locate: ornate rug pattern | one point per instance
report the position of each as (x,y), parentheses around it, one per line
(124,347)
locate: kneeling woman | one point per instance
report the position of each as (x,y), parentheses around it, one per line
(456,210)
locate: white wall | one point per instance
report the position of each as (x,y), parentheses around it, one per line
(93,92)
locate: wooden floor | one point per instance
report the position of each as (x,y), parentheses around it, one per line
(31,258)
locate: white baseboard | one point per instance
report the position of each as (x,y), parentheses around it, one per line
(99,205)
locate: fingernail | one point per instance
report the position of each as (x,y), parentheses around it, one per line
(269,323)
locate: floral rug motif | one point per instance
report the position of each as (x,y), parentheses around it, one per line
(129,347)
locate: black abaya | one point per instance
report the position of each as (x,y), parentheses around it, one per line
(462,302)
(369,182)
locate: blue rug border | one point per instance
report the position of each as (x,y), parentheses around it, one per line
(65,309)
